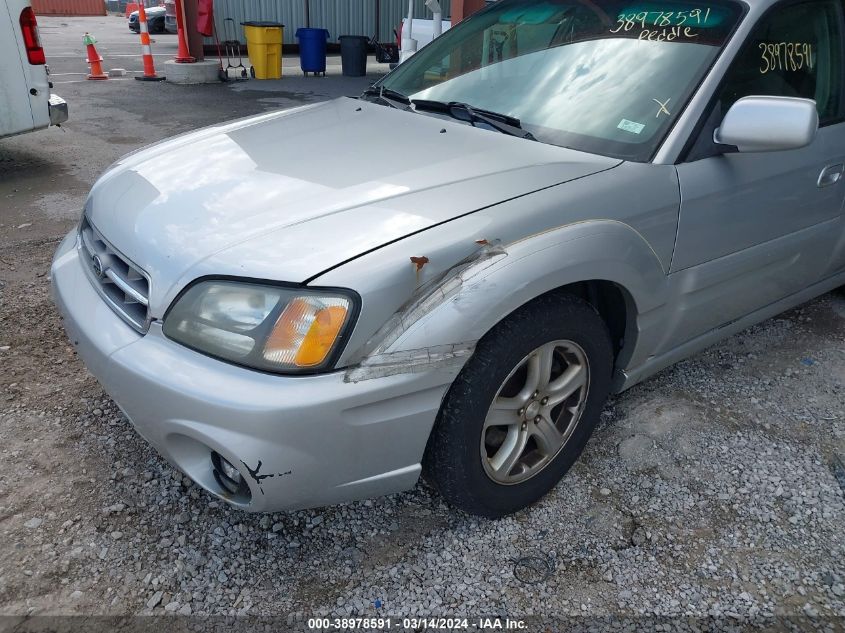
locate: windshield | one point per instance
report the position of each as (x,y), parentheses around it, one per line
(607,77)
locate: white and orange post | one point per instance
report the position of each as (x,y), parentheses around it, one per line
(183,56)
(146,50)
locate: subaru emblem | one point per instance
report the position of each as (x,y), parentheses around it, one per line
(98,266)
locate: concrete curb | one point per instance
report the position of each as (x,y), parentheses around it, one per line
(204,72)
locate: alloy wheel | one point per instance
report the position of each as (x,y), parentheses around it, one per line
(536,410)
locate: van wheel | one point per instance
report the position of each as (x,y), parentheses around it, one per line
(523,407)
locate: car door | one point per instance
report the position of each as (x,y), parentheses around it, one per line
(15,110)
(757,227)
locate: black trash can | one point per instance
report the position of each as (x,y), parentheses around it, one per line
(353,54)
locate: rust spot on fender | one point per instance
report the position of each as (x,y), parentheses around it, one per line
(419,262)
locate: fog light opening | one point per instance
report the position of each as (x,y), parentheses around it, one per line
(228,477)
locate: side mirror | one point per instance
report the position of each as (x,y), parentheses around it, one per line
(769,124)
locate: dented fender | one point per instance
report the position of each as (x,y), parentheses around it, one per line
(597,250)
(453,308)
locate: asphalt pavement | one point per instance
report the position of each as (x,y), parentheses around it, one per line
(45,176)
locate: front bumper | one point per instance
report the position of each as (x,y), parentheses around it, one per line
(298,441)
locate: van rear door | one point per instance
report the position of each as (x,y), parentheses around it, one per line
(24,86)
(15,111)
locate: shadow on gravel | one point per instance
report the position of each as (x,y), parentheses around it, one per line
(18,164)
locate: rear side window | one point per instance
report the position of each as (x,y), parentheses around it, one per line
(795,51)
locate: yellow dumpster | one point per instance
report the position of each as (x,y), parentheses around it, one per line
(264,47)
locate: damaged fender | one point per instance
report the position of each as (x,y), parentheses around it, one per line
(385,361)
(439,327)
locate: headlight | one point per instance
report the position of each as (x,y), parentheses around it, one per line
(273,328)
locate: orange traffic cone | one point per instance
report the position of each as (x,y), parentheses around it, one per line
(146,51)
(94,58)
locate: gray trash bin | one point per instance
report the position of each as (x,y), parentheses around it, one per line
(353,54)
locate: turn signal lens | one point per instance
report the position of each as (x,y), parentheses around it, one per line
(306,331)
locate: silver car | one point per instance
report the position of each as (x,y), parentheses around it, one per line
(448,275)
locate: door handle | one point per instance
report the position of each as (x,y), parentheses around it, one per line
(831,175)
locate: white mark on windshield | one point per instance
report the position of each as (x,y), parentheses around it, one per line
(663,107)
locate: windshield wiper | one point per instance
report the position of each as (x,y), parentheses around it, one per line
(457,110)
(464,112)
(388,96)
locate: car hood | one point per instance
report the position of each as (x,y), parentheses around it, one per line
(289,194)
(151,12)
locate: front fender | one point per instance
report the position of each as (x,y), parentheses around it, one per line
(457,306)
(592,250)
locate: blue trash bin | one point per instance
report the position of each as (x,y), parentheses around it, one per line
(312,50)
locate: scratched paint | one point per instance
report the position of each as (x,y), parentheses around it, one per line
(257,478)
(410,361)
(385,362)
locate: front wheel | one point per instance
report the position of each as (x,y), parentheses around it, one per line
(523,408)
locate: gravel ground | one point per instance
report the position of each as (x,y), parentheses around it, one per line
(710,490)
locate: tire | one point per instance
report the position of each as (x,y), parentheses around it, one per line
(460,460)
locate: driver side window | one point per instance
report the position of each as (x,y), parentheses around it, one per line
(795,51)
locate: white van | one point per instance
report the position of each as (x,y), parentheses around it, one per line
(25,100)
